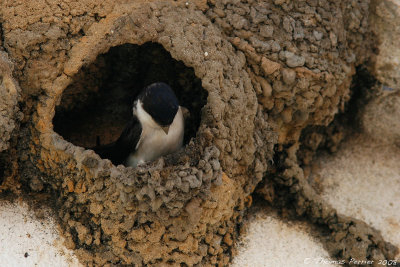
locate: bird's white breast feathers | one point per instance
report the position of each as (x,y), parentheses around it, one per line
(153,142)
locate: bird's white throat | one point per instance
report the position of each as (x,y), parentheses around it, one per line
(145,118)
(154,142)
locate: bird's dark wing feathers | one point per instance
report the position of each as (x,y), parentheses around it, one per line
(119,150)
(130,136)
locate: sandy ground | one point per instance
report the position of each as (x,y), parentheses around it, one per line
(26,240)
(269,241)
(362,180)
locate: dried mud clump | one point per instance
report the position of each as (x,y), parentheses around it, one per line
(384,21)
(10,114)
(301,55)
(183,208)
(254,75)
(380,119)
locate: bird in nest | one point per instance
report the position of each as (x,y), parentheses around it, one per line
(156,128)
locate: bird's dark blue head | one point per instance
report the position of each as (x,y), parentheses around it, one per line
(160,102)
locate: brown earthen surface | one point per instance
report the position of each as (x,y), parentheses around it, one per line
(254,75)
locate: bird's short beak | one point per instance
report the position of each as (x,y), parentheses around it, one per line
(165,129)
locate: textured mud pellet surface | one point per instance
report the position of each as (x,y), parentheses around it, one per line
(263,81)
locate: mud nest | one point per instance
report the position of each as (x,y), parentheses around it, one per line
(254,75)
(96,106)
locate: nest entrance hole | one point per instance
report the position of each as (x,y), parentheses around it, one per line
(96,106)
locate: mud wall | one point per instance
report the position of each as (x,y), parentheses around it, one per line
(268,70)
(9,96)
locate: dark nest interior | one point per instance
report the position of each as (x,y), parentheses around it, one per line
(95,107)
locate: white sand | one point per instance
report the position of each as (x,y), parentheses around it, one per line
(362,180)
(21,232)
(271,242)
